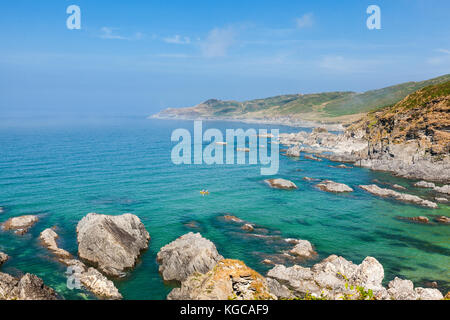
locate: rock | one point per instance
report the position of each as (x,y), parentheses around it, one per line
(443,189)
(441,200)
(376,190)
(420,219)
(310,157)
(3,258)
(332,278)
(233,218)
(267,261)
(429,294)
(331,186)
(398,187)
(399,289)
(20,225)
(303,249)
(90,278)
(99,285)
(425,184)
(113,243)
(248,227)
(48,238)
(281,184)
(29,287)
(228,280)
(310,179)
(292,241)
(278,290)
(447,296)
(443,219)
(189,254)
(2,210)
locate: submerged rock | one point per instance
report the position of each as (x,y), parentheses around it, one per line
(248,227)
(20,225)
(281,184)
(3,258)
(331,186)
(228,280)
(310,157)
(443,219)
(303,249)
(420,219)
(376,190)
(28,287)
(189,254)
(425,184)
(233,218)
(398,187)
(113,243)
(441,200)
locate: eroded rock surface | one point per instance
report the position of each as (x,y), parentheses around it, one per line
(281,184)
(382,192)
(20,225)
(113,243)
(331,186)
(28,287)
(3,258)
(303,249)
(189,254)
(228,280)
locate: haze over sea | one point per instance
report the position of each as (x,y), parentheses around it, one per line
(63,170)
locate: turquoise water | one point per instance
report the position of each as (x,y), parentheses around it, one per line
(62,171)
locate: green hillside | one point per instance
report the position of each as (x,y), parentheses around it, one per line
(316,106)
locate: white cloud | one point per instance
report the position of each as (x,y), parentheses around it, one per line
(440,60)
(340,64)
(443,51)
(109,33)
(218,42)
(177,39)
(305,21)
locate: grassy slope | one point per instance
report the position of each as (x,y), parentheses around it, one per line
(319,105)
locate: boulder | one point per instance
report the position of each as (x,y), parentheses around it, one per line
(281,184)
(248,227)
(3,258)
(398,187)
(303,249)
(381,192)
(28,287)
(425,184)
(228,280)
(442,219)
(444,189)
(399,289)
(429,294)
(331,186)
(189,254)
(113,243)
(420,219)
(233,219)
(441,200)
(48,238)
(99,285)
(20,225)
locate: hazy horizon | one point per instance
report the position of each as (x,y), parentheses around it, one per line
(136,58)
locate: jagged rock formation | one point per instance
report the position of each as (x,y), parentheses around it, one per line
(303,249)
(3,258)
(90,278)
(189,254)
(228,280)
(28,287)
(113,243)
(20,225)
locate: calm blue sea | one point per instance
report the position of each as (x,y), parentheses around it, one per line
(62,170)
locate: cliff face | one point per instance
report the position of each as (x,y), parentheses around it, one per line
(418,126)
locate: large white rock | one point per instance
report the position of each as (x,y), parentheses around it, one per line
(20,225)
(331,186)
(281,184)
(191,253)
(303,249)
(113,243)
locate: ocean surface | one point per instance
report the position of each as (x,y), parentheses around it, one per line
(63,170)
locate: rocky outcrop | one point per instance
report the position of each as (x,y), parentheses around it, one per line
(443,219)
(441,200)
(331,186)
(28,287)
(48,238)
(281,184)
(189,254)
(420,219)
(228,280)
(444,189)
(382,192)
(303,249)
(332,278)
(90,278)
(3,258)
(113,243)
(424,184)
(399,289)
(20,225)
(233,218)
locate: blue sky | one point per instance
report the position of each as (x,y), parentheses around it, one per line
(137,57)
